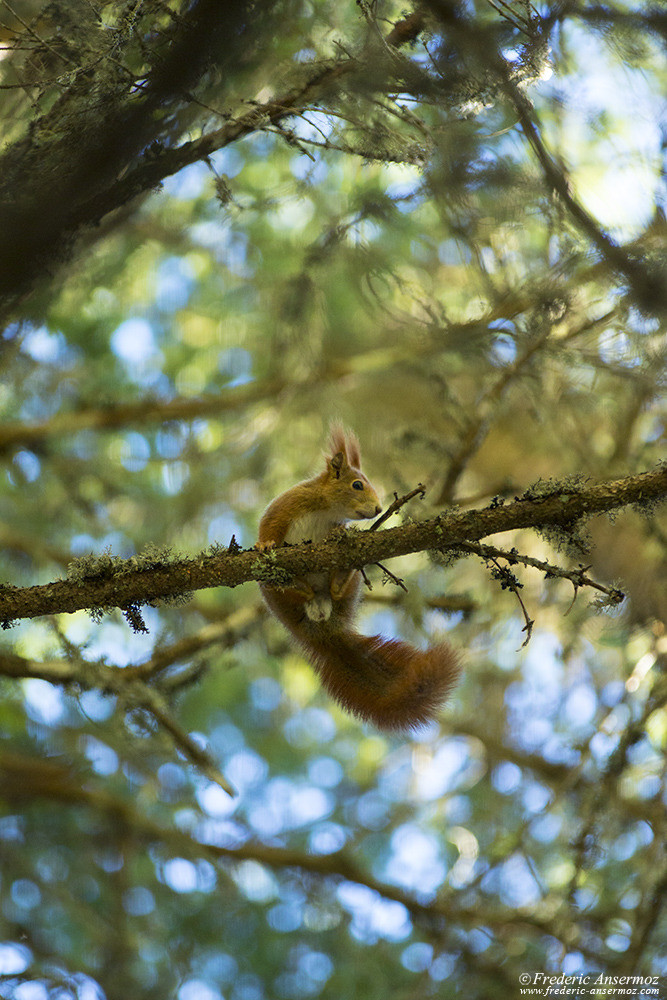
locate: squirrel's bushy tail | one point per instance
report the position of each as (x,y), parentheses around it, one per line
(384,681)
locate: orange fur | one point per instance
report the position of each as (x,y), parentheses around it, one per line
(384,681)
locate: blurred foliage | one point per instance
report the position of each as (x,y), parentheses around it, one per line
(391,253)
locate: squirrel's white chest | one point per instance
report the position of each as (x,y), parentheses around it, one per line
(313,526)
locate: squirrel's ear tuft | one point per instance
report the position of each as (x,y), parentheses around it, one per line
(346,442)
(336,438)
(353,451)
(337,462)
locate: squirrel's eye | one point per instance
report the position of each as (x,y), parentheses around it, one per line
(357,484)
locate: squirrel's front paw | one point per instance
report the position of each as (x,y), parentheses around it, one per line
(319,609)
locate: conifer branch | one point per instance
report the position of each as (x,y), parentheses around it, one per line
(110,582)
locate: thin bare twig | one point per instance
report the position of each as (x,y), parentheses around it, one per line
(577,577)
(397,503)
(394,579)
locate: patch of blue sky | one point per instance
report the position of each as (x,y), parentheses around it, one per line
(543,668)
(371,810)
(535,797)
(14,958)
(517,884)
(47,347)
(315,965)
(506,778)
(246,769)
(228,247)
(133,340)
(364,231)
(214,800)
(316,126)
(171,439)
(291,214)
(325,772)
(96,705)
(30,990)
(84,544)
(630,841)
(546,827)
(236,364)
(615,348)
(602,745)
(28,464)
(458,809)
(226,738)
(12,830)
(640,323)
(266,694)
(189,182)
(310,727)
(580,706)
(454,252)
(306,169)
(282,805)
(198,989)
(326,838)
(620,183)
(138,901)
(181,875)
(286,918)
(305,55)
(372,916)
(134,451)
(114,641)
(503,349)
(103,759)
(174,477)
(612,693)
(405,186)
(222,527)
(44,702)
(256,882)
(444,967)
(174,280)
(41,405)
(381,623)
(415,862)
(417,957)
(25,894)
(228,161)
(451,767)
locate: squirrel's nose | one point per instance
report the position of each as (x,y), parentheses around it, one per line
(378,509)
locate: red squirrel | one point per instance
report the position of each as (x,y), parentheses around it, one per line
(384,681)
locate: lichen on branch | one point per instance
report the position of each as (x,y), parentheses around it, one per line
(121,583)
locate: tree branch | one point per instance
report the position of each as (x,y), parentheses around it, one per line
(112,582)
(24,778)
(144,411)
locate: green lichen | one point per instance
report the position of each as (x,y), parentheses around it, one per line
(107,566)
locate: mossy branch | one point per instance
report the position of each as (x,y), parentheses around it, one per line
(112,582)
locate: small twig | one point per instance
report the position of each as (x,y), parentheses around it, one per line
(398,502)
(394,579)
(509,582)
(507,579)
(152,702)
(577,577)
(31,31)
(396,505)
